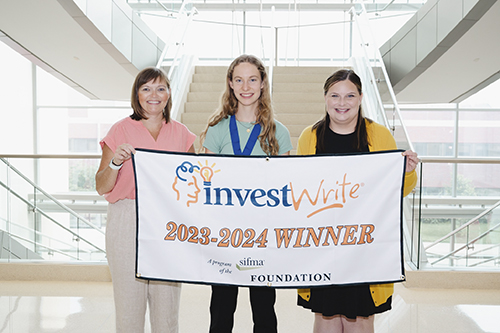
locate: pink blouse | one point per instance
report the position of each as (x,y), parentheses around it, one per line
(173,136)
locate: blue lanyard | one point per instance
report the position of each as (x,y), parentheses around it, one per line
(235,138)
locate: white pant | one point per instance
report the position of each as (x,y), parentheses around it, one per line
(132,295)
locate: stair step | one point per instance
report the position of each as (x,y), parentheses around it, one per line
(215,87)
(299,119)
(283,108)
(210,78)
(195,118)
(219,70)
(306,70)
(305,87)
(209,107)
(297,97)
(209,97)
(305,78)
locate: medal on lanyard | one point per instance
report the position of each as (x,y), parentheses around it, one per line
(235,138)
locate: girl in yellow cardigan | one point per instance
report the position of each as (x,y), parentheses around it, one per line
(345,130)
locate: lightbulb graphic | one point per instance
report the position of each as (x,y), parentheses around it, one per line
(207,173)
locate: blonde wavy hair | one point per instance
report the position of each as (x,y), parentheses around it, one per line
(265,114)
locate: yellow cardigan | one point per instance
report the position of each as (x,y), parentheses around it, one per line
(379,139)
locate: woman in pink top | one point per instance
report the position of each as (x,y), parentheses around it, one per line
(148,127)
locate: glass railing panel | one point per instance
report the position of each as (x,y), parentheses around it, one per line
(13,208)
(66,221)
(411,227)
(433,229)
(459,215)
(483,242)
(476,245)
(81,242)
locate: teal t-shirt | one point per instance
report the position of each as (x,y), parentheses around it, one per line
(218,139)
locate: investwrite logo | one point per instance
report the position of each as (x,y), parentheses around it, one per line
(193,184)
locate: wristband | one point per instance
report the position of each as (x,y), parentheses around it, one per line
(114,166)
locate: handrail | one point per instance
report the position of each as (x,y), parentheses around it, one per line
(36,209)
(453,233)
(364,61)
(45,247)
(487,260)
(381,10)
(466,245)
(68,210)
(163,54)
(273,53)
(371,80)
(167,45)
(465,160)
(161,5)
(486,248)
(190,15)
(366,68)
(379,58)
(38,233)
(487,211)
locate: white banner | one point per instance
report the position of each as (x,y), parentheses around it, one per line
(279,221)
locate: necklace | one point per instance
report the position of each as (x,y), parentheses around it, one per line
(248,126)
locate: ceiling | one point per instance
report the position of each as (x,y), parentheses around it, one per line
(49,36)
(464,68)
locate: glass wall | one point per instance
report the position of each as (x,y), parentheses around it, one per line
(42,115)
(456,131)
(455,193)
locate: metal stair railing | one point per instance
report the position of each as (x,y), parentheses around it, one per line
(470,243)
(371,57)
(364,59)
(180,67)
(49,248)
(32,207)
(47,195)
(477,241)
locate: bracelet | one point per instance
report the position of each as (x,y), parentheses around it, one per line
(114,166)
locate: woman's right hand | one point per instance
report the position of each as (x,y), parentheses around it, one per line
(106,177)
(122,153)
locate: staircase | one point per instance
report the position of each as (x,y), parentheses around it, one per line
(203,98)
(297,98)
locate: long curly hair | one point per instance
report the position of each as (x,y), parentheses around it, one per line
(265,114)
(361,139)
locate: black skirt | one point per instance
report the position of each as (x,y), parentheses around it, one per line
(348,301)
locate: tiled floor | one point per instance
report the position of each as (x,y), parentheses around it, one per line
(88,307)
